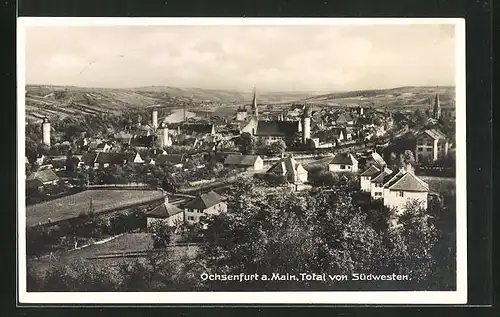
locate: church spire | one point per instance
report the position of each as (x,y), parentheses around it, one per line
(436,113)
(255,110)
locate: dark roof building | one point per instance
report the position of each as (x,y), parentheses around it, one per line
(371,171)
(173,159)
(406,181)
(204,201)
(241,160)
(277,128)
(40,178)
(163,211)
(115,158)
(343,159)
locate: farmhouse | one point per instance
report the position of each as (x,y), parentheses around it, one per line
(39,180)
(290,169)
(251,162)
(343,162)
(210,203)
(165,213)
(431,145)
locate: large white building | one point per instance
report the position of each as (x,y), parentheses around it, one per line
(396,188)
(431,145)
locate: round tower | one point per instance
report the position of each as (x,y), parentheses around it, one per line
(306,124)
(46,131)
(163,136)
(154,120)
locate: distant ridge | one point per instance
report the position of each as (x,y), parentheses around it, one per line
(62,101)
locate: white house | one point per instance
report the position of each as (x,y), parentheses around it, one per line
(377,183)
(366,176)
(343,162)
(431,144)
(402,188)
(288,167)
(165,213)
(251,162)
(210,203)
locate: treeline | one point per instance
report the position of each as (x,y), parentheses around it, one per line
(282,231)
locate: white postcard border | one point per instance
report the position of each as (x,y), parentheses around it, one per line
(310,297)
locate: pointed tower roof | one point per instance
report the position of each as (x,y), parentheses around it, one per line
(254,100)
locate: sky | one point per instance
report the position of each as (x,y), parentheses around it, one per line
(273,58)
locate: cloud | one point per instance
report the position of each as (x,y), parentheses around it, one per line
(237,57)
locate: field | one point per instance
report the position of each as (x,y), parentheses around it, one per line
(71,206)
(131,242)
(440,184)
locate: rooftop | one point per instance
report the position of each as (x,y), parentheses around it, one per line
(241,160)
(343,158)
(204,201)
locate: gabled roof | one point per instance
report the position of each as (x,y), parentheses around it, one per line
(408,182)
(241,160)
(142,141)
(204,201)
(44,176)
(114,158)
(344,159)
(372,170)
(277,128)
(285,166)
(197,128)
(170,158)
(89,158)
(164,210)
(380,177)
(434,134)
(391,178)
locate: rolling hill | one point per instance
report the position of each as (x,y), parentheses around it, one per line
(57,102)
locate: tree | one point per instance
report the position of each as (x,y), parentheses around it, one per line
(245,143)
(161,234)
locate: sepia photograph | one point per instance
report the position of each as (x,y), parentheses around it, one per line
(245,160)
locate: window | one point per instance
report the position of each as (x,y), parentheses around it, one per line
(378,194)
(429,143)
(420,157)
(190,218)
(401,194)
(420,149)
(342,167)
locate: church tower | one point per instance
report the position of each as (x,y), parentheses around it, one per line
(436,113)
(255,110)
(306,124)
